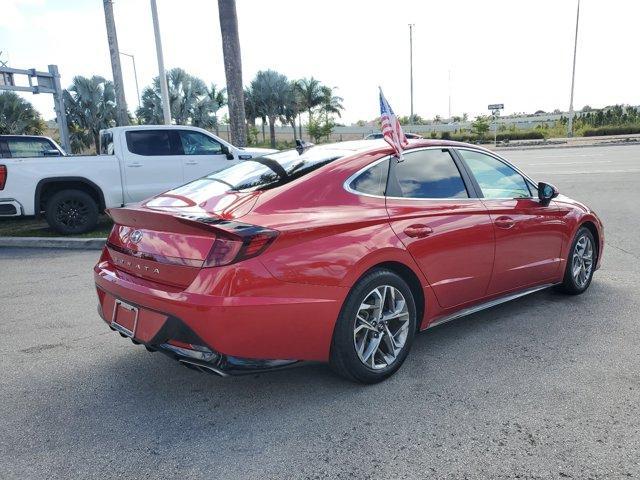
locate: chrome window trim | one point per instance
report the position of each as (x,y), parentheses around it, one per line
(347,182)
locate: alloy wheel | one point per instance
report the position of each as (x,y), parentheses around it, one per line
(582,261)
(381,327)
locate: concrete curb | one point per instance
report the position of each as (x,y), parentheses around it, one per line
(53,242)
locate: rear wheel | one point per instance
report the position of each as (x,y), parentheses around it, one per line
(375,329)
(71,212)
(580,263)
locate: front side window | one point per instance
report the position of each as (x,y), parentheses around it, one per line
(372,181)
(196,143)
(496,178)
(428,173)
(106,143)
(149,142)
(29,147)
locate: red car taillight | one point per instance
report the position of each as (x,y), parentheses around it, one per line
(229,248)
(3,176)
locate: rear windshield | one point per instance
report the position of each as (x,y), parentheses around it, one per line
(261,173)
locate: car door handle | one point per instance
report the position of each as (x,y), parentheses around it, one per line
(134,165)
(504,222)
(192,162)
(418,231)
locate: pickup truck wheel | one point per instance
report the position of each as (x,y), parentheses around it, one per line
(71,212)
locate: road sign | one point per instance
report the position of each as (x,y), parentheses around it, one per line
(496,106)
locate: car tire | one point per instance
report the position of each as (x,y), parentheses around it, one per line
(366,347)
(71,212)
(581,262)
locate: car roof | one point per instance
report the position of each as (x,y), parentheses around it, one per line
(371,146)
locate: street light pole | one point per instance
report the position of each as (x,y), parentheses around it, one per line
(573,75)
(411,25)
(166,108)
(135,73)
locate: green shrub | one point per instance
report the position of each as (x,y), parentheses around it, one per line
(612,130)
(527,135)
(445,135)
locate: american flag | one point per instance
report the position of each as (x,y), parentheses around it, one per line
(391,129)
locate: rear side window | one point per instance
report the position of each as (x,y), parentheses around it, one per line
(372,181)
(150,142)
(29,147)
(496,178)
(428,173)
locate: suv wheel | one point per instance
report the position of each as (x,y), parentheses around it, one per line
(71,212)
(375,328)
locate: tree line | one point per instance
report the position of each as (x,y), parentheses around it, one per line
(90,106)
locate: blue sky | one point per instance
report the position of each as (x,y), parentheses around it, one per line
(498,51)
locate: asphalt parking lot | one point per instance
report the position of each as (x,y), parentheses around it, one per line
(547,386)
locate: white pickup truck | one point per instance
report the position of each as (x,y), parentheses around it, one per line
(134,163)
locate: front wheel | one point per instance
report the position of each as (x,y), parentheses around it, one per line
(581,262)
(375,329)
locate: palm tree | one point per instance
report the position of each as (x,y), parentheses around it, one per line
(291,107)
(205,110)
(311,96)
(331,104)
(189,99)
(217,99)
(233,70)
(90,105)
(18,117)
(272,90)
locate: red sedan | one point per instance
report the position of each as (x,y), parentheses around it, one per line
(336,253)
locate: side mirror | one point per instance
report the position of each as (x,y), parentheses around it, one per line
(546,192)
(225,151)
(51,153)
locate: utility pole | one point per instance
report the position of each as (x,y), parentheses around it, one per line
(573,76)
(411,25)
(164,91)
(135,74)
(116,68)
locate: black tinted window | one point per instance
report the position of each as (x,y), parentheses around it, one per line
(372,181)
(427,174)
(149,142)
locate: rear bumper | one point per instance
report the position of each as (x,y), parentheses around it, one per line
(273,325)
(194,356)
(10,207)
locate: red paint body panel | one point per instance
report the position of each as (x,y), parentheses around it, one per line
(528,244)
(284,302)
(457,257)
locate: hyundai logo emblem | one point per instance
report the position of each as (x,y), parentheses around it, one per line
(136,236)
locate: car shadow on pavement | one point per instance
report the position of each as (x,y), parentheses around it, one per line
(486,362)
